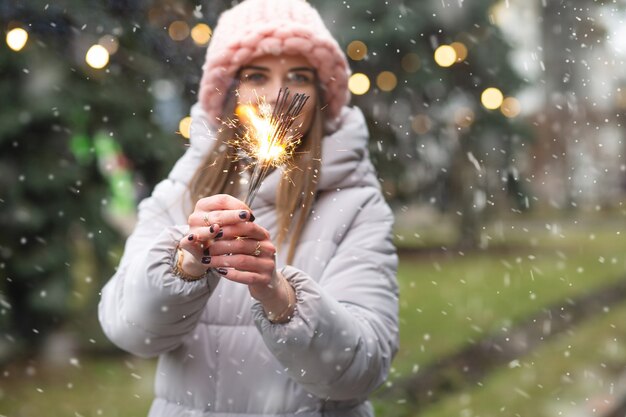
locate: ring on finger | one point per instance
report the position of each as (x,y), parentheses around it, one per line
(257,249)
(205,218)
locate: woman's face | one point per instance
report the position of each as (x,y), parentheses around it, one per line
(266,75)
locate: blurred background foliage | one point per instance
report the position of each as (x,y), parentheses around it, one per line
(496,129)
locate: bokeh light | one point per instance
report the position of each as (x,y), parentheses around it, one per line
(461,51)
(359,84)
(386,81)
(201,34)
(178,30)
(421,124)
(356,50)
(97,57)
(511,107)
(16,39)
(445,56)
(184,127)
(491,98)
(410,62)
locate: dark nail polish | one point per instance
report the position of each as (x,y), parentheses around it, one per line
(252,218)
(222,271)
(243,214)
(190,237)
(219,234)
(211,229)
(206,252)
(206,259)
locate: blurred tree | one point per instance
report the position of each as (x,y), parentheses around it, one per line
(67,134)
(432,139)
(571,32)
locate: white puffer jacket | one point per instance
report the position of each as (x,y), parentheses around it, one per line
(218,353)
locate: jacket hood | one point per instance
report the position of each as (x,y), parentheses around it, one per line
(345,157)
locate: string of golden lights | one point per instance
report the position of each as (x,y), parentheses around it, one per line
(98,57)
(445,56)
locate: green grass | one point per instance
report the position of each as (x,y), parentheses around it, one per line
(448,302)
(577,374)
(449,299)
(89,387)
(452,299)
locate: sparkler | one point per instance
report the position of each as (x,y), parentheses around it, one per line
(268,137)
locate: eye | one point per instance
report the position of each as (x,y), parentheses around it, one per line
(253,77)
(300,78)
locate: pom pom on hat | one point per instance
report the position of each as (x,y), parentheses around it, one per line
(255,28)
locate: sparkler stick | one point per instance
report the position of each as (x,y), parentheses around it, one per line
(270,139)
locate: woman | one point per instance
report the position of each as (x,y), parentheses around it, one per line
(286,307)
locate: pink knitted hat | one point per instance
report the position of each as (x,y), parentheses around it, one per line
(260,27)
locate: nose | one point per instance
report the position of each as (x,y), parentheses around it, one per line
(271,90)
(272,93)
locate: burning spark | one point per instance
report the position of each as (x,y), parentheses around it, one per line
(269,138)
(257,141)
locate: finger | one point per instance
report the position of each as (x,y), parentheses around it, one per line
(222,217)
(199,239)
(192,246)
(205,235)
(243,277)
(243,247)
(220,202)
(245,263)
(246,230)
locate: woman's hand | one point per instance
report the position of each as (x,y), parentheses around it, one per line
(209,216)
(223,235)
(245,253)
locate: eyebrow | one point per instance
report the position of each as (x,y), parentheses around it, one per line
(255,67)
(302,69)
(258,68)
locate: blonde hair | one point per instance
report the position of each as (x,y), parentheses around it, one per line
(219,174)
